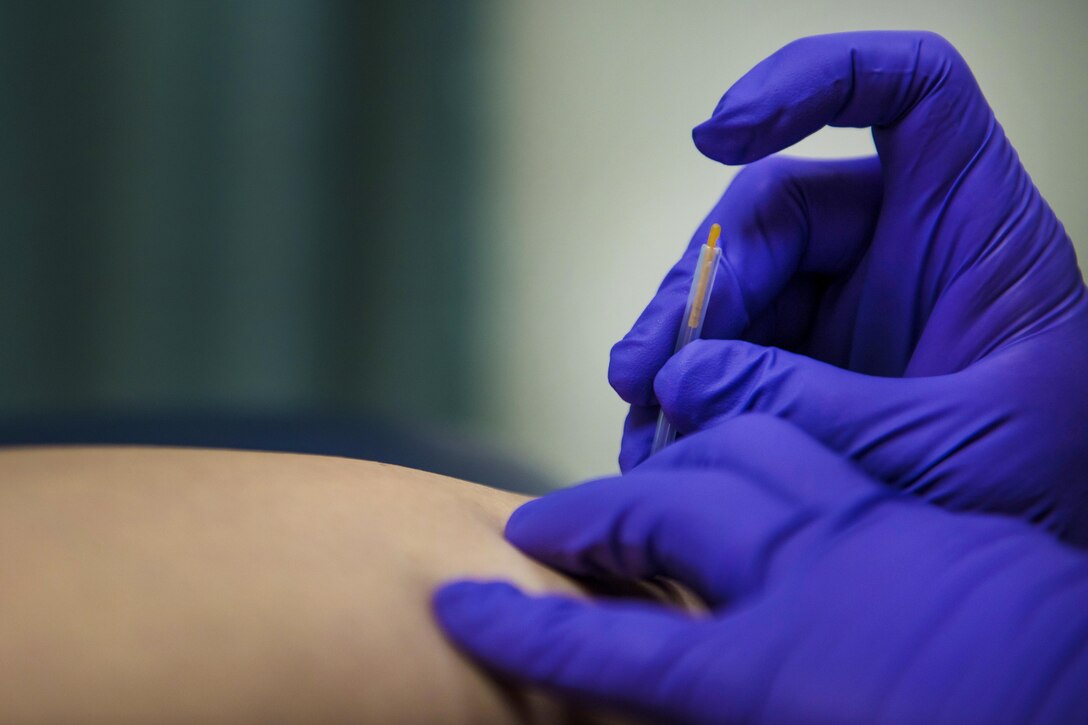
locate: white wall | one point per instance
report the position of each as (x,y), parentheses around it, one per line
(595,185)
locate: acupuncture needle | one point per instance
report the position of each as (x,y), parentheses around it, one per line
(691,325)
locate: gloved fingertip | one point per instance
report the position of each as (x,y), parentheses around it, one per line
(719,144)
(630,457)
(464,604)
(633,451)
(708,140)
(521,517)
(626,373)
(638,435)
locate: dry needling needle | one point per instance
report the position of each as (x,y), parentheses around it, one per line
(691,326)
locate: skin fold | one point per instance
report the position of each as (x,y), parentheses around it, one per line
(191,585)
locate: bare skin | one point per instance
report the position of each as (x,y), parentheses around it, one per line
(189,585)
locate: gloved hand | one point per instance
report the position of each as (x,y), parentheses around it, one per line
(834,599)
(920,311)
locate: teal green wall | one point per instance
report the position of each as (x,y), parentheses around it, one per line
(251,204)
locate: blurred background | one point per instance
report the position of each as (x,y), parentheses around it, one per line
(406,230)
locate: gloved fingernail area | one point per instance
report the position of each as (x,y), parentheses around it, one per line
(467,604)
(628,371)
(521,515)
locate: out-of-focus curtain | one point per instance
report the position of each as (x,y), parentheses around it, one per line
(243,204)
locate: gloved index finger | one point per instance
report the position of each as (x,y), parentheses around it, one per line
(711,531)
(718,511)
(913,87)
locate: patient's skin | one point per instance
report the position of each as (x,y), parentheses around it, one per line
(161,584)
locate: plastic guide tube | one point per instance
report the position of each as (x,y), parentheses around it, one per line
(691,326)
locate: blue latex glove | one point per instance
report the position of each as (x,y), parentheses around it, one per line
(835,599)
(921,312)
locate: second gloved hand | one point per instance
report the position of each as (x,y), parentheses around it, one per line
(833,598)
(920,311)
